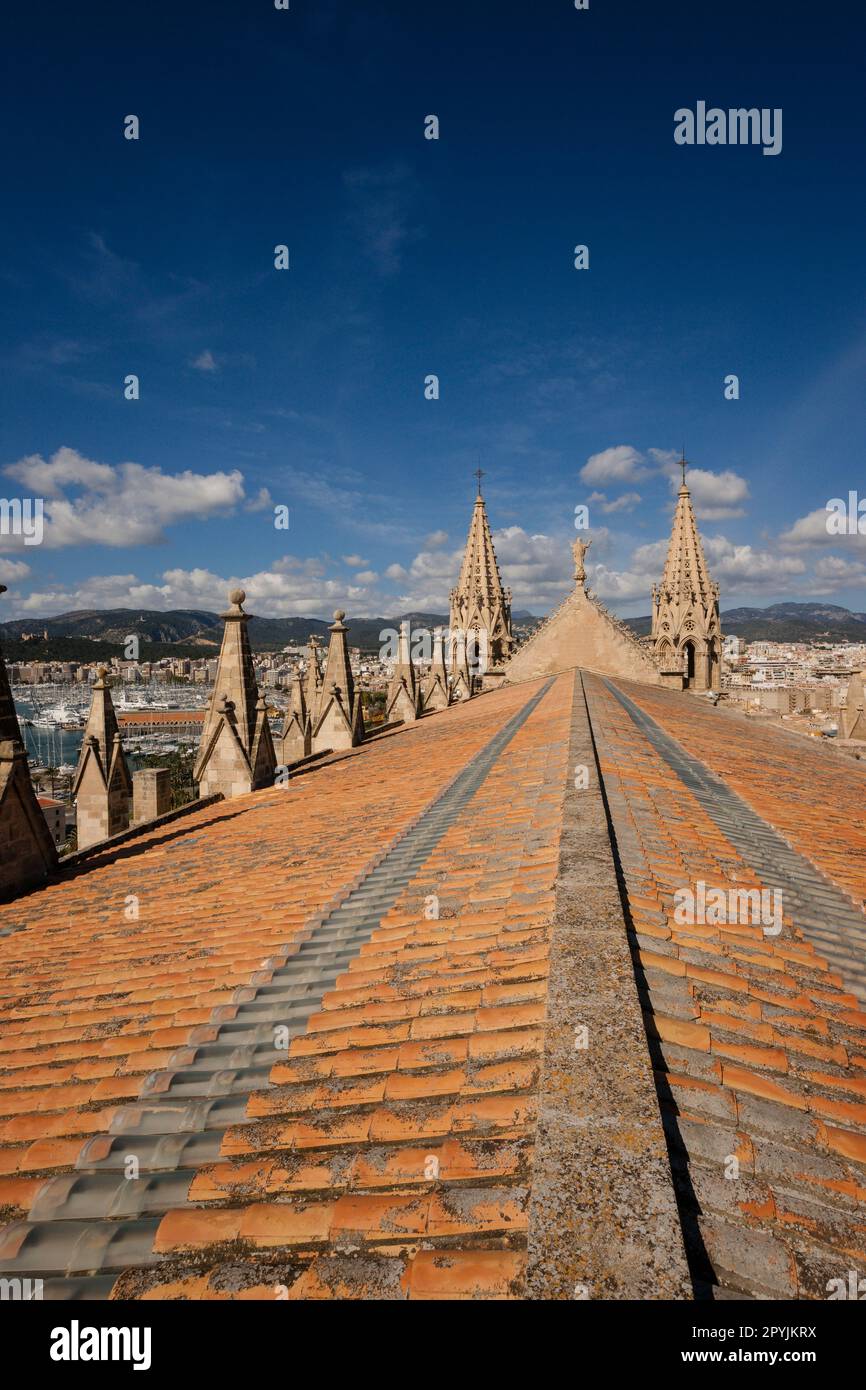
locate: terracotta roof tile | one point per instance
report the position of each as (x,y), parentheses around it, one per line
(736,1061)
(386,1149)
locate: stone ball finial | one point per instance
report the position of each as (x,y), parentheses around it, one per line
(339,615)
(2,588)
(237,596)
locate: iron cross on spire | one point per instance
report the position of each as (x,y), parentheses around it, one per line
(683,465)
(479,474)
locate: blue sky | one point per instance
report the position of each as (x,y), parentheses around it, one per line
(410,257)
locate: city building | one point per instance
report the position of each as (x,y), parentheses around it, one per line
(54,812)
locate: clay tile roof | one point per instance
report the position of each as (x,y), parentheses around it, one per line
(757,1029)
(322,1021)
(395,1107)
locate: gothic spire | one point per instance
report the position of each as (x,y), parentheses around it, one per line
(480,606)
(685,568)
(686,629)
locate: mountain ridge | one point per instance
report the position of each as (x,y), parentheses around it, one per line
(200,628)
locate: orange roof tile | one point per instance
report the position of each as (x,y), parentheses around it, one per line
(322,1019)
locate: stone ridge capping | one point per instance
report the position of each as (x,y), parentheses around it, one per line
(603,1217)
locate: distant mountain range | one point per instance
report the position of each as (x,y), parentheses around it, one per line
(198,631)
(785,622)
(196,628)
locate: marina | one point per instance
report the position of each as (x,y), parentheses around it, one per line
(155,718)
(53,719)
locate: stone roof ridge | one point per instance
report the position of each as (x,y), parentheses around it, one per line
(617,622)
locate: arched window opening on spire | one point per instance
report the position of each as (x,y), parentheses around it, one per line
(689,671)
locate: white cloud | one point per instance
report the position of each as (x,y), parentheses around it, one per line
(743,569)
(89,503)
(619,464)
(738,569)
(260,502)
(668,461)
(624,503)
(67,468)
(811,530)
(435,539)
(714,495)
(11,570)
(279,591)
(436,564)
(396,572)
(840,573)
(205,362)
(623,585)
(366,576)
(354,561)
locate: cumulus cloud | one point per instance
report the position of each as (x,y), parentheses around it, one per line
(12,570)
(714,495)
(839,572)
(260,502)
(281,590)
(811,531)
(436,539)
(619,464)
(739,569)
(620,585)
(626,502)
(90,503)
(205,362)
(745,569)
(354,561)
